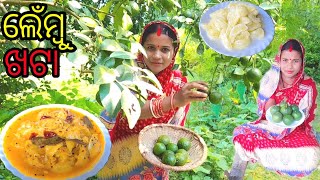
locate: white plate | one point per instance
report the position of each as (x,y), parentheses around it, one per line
(89,173)
(256,45)
(281,124)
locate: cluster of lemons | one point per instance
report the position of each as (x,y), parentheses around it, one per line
(170,153)
(285,113)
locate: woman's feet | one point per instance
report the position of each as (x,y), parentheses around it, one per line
(232,177)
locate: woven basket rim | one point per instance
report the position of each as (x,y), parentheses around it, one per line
(150,156)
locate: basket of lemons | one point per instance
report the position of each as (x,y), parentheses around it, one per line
(172,147)
(285,115)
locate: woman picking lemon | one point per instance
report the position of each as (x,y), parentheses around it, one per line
(161,42)
(290,151)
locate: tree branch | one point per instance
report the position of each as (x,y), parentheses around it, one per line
(19,2)
(3,9)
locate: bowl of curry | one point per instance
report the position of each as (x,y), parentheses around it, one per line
(54,141)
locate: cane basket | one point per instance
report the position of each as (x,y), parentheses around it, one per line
(149,135)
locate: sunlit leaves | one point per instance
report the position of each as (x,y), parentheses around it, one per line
(102,31)
(88,22)
(126,21)
(110,45)
(83,37)
(110,95)
(74,6)
(137,47)
(104,10)
(122,55)
(131,107)
(104,75)
(78,57)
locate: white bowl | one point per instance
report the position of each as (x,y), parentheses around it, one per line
(256,45)
(99,165)
(281,124)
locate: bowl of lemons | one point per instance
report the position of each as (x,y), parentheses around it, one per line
(172,147)
(285,115)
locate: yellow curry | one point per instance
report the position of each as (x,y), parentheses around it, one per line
(53,143)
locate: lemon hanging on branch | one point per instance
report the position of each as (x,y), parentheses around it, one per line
(214,96)
(254,75)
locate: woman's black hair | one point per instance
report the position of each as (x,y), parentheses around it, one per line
(293,45)
(153,28)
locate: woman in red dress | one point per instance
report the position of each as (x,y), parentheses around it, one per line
(161,43)
(291,151)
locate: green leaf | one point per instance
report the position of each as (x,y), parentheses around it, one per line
(268,6)
(200,49)
(126,21)
(104,11)
(241,89)
(102,31)
(137,47)
(222,163)
(88,22)
(180,18)
(87,12)
(118,15)
(122,55)
(83,37)
(201,169)
(110,45)
(74,6)
(147,86)
(131,107)
(104,75)
(150,76)
(175,2)
(220,79)
(110,95)
(239,71)
(126,74)
(78,57)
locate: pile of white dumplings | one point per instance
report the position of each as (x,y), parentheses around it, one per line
(236,26)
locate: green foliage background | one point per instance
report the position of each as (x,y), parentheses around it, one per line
(122,22)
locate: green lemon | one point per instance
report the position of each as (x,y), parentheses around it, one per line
(274,109)
(256,86)
(287,119)
(184,143)
(286,110)
(283,104)
(277,117)
(167,152)
(172,147)
(164,139)
(254,75)
(169,159)
(158,149)
(297,115)
(181,159)
(295,108)
(181,151)
(215,97)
